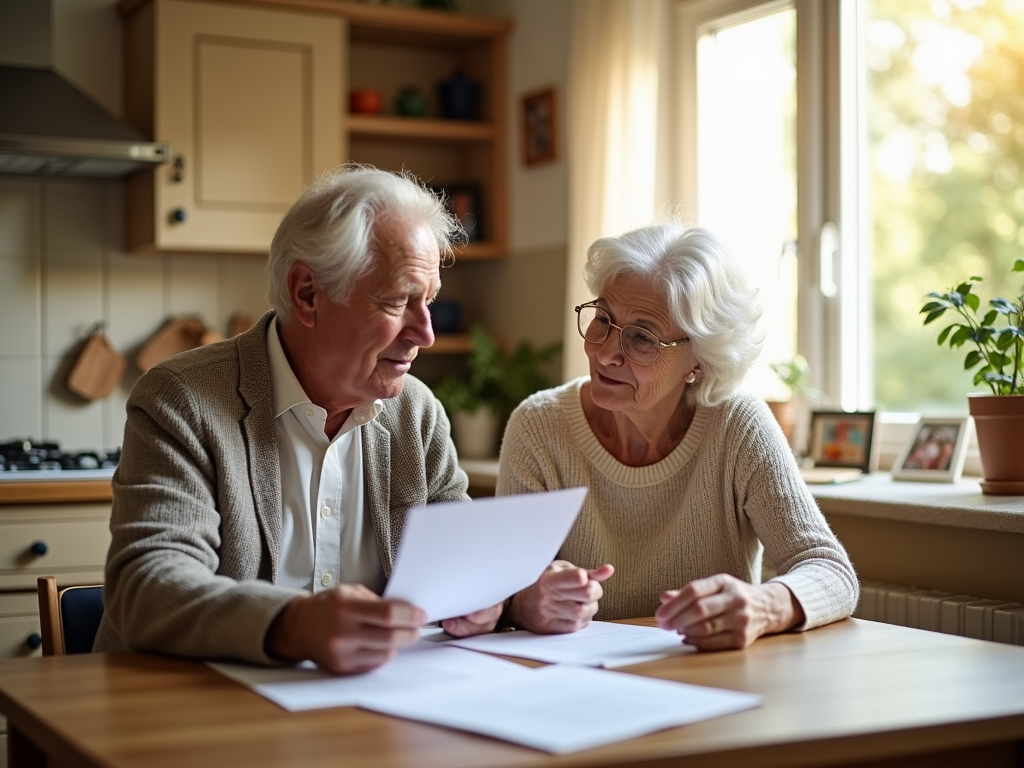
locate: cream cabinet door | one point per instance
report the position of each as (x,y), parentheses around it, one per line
(250,101)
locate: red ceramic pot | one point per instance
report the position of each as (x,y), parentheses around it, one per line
(365,101)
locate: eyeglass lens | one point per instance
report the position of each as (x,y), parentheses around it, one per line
(639,345)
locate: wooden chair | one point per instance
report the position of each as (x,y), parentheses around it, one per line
(69,617)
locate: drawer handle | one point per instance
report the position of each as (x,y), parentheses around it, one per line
(39,548)
(34,640)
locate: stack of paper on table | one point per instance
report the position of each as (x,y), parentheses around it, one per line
(551,708)
(599,644)
(461,557)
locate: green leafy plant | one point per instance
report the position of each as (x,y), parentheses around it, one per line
(998,350)
(795,373)
(497,380)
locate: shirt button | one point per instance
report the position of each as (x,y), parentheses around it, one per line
(309,412)
(326,579)
(325,511)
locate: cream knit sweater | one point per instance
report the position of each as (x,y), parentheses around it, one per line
(706,508)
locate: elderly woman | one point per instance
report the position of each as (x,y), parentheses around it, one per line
(687,476)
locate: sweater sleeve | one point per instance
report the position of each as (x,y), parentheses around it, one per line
(811,561)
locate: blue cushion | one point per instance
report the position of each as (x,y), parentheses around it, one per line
(80,612)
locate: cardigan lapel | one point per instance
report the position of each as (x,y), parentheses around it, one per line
(260,433)
(376,481)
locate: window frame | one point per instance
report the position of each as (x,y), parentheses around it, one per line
(833,331)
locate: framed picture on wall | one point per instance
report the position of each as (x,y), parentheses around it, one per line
(935,450)
(842,439)
(539,127)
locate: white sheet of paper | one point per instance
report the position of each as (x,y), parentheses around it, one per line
(460,557)
(427,665)
(599,644)
(563,709)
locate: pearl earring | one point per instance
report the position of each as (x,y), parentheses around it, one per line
(690,377)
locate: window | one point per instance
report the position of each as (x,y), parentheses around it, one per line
(939,130)
(903,138)
(746,117)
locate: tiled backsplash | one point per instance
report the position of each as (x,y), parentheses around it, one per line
(62,269)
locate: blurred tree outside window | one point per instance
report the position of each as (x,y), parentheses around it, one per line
(945,139)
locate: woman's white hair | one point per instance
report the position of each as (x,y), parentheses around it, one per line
(331,228)
(705,291)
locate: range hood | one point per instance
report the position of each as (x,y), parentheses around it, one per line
(50,128)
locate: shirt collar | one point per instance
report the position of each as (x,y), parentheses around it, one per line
(288,391)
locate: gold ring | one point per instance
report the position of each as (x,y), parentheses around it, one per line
(716,626)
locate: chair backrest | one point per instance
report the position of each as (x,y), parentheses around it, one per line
(68,617)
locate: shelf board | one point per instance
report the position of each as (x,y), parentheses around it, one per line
(449,344)
(420,128)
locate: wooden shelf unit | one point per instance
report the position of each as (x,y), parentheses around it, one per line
(177,95)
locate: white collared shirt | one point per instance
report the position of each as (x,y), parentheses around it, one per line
(326,536)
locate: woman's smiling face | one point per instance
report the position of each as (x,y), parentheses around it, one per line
(618,384)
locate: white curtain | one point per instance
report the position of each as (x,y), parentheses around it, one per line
(620,152)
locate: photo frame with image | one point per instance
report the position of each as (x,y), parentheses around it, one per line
(935,451)
(539,127)
(843,439)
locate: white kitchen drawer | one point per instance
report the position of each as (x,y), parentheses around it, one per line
(75,538)
(19,619)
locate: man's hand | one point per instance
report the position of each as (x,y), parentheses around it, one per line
(564,599)
(476,623)
(344,630)
(722,612)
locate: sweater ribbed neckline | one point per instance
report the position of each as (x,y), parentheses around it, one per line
(569,399)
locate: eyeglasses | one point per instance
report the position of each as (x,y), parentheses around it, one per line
(637,344)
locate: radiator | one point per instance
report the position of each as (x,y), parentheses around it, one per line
(998,620)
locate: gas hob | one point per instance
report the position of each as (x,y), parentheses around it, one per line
(27,460)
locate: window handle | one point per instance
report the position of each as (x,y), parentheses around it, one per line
(828,247)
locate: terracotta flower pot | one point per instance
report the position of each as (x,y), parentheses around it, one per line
(785,413)
(999,423)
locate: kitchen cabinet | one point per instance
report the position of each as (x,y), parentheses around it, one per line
(253,97)
(66,540)
(249,99)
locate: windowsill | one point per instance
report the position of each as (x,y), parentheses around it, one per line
(877,495)
(958,505)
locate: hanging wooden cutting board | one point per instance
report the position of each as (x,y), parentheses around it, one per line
(176,336)
(98,368)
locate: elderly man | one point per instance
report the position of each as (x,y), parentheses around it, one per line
(264,480)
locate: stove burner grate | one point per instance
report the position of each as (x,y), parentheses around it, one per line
(27,455)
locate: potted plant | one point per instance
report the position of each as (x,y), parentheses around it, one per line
(997,350)
(479,404)
(795,374)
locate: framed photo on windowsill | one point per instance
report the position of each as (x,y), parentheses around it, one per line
(935,451)
(841,439)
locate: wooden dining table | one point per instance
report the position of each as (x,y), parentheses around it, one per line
(852,693)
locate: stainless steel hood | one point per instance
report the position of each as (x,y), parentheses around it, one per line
(50,128)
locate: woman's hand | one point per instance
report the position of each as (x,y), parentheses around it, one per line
(477,623)
(563,599)
(722,612)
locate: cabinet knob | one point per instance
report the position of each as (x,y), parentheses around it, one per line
(39,548)
(34,640)
(178,215)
